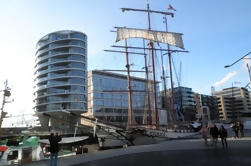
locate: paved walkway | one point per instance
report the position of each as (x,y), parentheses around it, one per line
(198,157)
(196,145)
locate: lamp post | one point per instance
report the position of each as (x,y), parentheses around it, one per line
(247,66)
(237,60)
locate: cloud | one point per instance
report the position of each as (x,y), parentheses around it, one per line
(226,78)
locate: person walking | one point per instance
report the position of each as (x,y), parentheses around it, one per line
(236,130)
(241,129)
(223,136)
(204,134)
(54,148)
(214,134)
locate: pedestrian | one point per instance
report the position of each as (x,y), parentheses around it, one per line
(236,130)
(214,134)
(204,134)
(54,148)
(242,129)
(223,136)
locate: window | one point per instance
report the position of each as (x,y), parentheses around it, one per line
(27,155)
(78,35)
(1,153)
(13,155)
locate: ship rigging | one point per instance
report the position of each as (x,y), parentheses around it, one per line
(153,37)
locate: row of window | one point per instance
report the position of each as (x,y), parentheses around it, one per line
(61,81)
(226,92)
(116,110)
(67,57)
(61,90)
(62,106)
(61,44)
(68,50)
(53,75)
(122,96)
(60,36)
(117,103)
(120,119)
(61,98)
(110,82)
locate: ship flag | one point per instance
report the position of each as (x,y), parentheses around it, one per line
(171,8)
(171,38)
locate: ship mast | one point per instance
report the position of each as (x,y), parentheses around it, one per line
(171,38)
(151,45)
(164,85)
(148,118)
(155,108)
(171,75)
(129,120)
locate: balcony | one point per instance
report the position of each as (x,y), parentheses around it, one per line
(39,73)
(39,59)
(54,77)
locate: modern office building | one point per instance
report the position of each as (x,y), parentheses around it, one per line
(208,102)
(234,104)
(60,78)
(108,97)
(184,103)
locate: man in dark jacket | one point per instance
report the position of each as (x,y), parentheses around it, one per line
(241,129)
(214,134)
(223,136)
(235,129)
(54,148)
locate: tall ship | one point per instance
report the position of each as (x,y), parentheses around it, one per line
(152,45)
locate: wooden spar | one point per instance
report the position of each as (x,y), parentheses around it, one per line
(124,52)
(148,11)
(171,79)
(148,15)
(155,111)
(164,81)
(155,117)
(142,48)
(129,119)
(124,70)
(148,114)
(171,76)
(163,73)
(172,51)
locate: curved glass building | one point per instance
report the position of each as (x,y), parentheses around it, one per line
(61,75)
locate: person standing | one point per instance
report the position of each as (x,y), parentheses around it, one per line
(214,134)
(54,148)
(223,136)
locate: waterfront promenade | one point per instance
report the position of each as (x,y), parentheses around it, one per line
(176,152)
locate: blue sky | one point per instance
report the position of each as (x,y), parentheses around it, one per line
(215,32)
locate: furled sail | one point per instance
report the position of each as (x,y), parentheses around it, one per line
(174,39)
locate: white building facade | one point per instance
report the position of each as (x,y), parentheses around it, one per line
(60,78)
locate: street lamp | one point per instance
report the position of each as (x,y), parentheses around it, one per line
(247,65)
(237,60)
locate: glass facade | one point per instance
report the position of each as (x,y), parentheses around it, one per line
(61,72)
(113,106)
